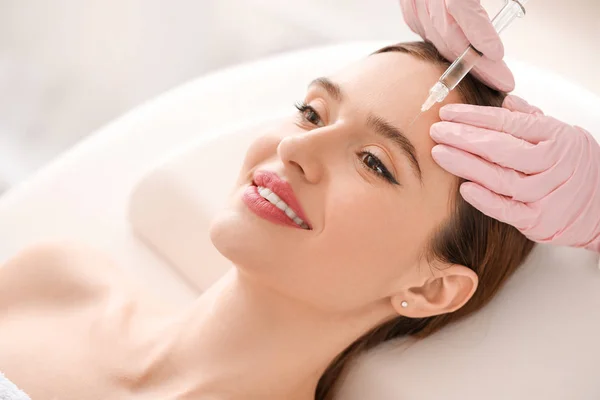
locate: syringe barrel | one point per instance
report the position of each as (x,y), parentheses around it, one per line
(460,68)
(469,58)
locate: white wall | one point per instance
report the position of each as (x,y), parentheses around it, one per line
(69,66)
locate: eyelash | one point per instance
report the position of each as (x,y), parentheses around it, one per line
(381,171)
(303,107)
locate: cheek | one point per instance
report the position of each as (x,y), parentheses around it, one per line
(366,244)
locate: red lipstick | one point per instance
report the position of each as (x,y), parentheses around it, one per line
(264,208)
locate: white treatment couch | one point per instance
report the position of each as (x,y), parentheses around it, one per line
(136,190)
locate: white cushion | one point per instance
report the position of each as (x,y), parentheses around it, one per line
(82,195)
(537,339)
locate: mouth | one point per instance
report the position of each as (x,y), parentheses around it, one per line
(280,194)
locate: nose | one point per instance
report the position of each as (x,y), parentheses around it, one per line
(303,152)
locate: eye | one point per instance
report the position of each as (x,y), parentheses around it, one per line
(373,164)
(309,114)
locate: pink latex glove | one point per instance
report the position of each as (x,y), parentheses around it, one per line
(451,25)
(526,169)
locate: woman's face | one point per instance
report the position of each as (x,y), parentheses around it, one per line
(346,157)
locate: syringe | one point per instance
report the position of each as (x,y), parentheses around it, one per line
(465,63)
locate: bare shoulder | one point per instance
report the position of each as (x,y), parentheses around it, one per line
(57,271)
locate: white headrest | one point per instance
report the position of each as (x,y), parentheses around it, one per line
(537,339)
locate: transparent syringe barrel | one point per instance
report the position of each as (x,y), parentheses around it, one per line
(465,63)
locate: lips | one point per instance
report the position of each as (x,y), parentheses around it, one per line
(281,188)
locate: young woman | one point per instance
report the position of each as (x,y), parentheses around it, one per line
(369,238)
(359,237)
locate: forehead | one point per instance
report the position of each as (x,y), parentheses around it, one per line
(394,85)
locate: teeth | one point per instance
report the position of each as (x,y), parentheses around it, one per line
(273,198)
(277,202)
(282,206)
(264,192)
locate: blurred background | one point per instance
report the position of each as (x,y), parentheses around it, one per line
(67,67)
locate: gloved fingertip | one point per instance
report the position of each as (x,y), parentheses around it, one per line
(495,74)
(506,83)
(471,192)
(502,80)
(449,111)
(516,103)
(478,196)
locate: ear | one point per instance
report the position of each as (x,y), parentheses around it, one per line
(445,293)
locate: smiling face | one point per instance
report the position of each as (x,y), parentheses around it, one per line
(353,176)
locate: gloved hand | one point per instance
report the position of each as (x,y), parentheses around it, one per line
(528,170)
(451,25)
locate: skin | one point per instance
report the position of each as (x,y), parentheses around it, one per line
(297,298)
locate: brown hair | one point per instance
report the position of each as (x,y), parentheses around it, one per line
(492,249)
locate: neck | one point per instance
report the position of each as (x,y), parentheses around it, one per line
(243,340)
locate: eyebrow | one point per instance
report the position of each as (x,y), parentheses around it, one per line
(379,125)
(332,88)
(389,131)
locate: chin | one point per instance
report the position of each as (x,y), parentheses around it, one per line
(240,239)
